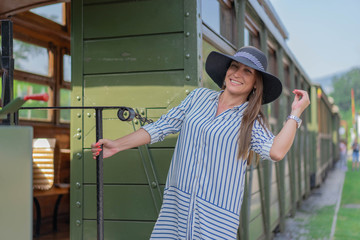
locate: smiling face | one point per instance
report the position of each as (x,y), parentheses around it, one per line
(240,79)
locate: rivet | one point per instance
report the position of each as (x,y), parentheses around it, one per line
(88,114)
(199,35)
(78,115)
(136,121)
(187,14)
(78,130)
(187,91)
(78,155)
(78,98)
(187,34)
(153,185)
(187,55)
(78,204)
(78,223)
(142,112)
(78,136)
(199,16)
(78,185)
(187,78)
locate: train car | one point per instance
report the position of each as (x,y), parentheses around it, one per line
(149,55)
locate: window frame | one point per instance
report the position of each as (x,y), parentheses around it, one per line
(56,39)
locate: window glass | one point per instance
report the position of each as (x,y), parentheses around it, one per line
(246,37)
(22,89)
(210,12)
(52,12)
(65,102)
(31,58)
(67,68)
(220,18)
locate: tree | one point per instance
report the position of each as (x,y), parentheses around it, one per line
(342,92)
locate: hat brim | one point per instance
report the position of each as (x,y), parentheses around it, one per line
(217,65)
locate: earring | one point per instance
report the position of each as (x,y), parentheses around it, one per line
(253,91)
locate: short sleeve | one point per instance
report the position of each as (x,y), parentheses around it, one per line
(171,122)
(261,141)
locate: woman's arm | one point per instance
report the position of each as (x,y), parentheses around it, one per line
(284,140)
(167,124)
(110,147)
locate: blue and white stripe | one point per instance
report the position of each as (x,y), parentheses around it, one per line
(205,183)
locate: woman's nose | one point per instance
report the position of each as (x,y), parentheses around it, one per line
(237,73)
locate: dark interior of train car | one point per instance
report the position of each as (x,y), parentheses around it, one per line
(41,54)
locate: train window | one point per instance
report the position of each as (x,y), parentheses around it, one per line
(210,12)
(287,76)
(65,102)
(272,66)
(67,68)
(220,18)
(53,12)
(247,37)
(31,58)
(26,88)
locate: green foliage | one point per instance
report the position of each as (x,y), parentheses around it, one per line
(342,93)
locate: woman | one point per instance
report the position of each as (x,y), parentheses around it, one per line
(205,183)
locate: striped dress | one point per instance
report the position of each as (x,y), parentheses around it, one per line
(205,183)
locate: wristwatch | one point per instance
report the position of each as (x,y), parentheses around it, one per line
(298,120)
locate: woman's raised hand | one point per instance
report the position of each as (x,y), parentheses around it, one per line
(109,148)
(300,103)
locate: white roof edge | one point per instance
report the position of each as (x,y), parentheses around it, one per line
(277,18)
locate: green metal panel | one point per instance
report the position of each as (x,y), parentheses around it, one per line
(16,199)
(119,230)
(256,228)
(291,154)
(76,164)
(142,54)
(134,89)
(121,202)
(124,21)
(255,207)
(158,52)
(265,170)
(123,168)
(281,165)
(274,199)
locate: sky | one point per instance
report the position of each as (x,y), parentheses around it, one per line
(324,35)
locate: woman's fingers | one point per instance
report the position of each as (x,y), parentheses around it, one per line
(96,148)
(301,101)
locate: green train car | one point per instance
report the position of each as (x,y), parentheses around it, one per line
(149,55)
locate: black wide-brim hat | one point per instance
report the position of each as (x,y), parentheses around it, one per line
(217,65)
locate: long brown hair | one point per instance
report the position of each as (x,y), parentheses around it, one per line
(252,112)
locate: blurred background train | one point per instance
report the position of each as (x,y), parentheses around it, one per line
(149,55)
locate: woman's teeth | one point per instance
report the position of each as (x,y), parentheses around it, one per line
(235,82)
